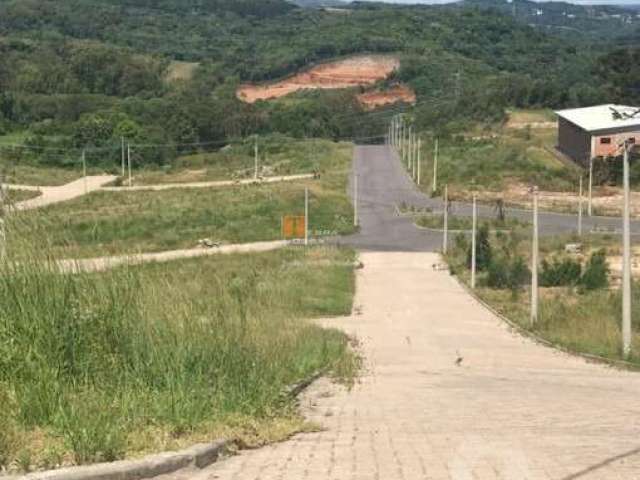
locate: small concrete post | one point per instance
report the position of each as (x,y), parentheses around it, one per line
(445,230)
(626,261)
(473,242)
(435,167)
(580,208)
(306,215)
(534,260)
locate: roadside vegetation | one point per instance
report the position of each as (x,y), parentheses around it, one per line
(13,195)
(580,300)
(436,222)
(98,367)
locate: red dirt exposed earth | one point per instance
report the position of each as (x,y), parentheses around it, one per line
(397,93)
(351,72)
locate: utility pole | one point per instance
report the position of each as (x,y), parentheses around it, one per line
(473,242)
(3,214)
(409,148)
(590,185)
(255,148)
(402,134)
(419,158)
(435,167)
(534,260)
(626,260)
(355,200)
(414,158)
(580,208)
(84,171)
(306,216)
(445,229)
(129,164)
(122,152)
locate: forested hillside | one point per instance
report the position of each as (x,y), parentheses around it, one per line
(80,74)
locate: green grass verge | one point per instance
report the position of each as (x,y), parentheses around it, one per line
(465,223)
(96,367)
(578,320)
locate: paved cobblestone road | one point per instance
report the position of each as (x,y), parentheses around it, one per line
(512,410)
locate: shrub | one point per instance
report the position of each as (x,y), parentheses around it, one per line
(519,274)
(498,274)
(560,272)
(483,249)
(596,272)
(508,273)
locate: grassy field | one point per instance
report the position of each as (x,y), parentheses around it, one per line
(14,196)
(39,175)
(97,367)
(499,158)
(578,319)
(277,156)
(127,222)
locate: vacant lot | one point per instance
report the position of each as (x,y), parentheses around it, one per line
(97,367)
(105,223)
(277,156)
(499,162)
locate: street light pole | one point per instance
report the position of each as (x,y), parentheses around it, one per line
(626,260)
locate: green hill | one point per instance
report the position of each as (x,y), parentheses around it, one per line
(83,73)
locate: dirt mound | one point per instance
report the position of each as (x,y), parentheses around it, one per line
(397,93)
(350,72)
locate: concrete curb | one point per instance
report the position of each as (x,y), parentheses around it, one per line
(198,456)
(518,329)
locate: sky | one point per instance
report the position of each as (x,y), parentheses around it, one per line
(580,2)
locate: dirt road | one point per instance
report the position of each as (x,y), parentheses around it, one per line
(51,195)
(213,184)
(105,263)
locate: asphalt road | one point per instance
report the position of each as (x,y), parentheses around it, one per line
(383,184)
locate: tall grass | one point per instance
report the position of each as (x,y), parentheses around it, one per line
(92,363)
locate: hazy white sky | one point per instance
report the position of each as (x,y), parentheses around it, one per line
(583,2)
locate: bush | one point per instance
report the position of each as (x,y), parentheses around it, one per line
(560,272)
(596,272)
(508,273)
(498,274)
(484,253)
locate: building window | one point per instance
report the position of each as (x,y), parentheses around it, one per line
(605,141)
